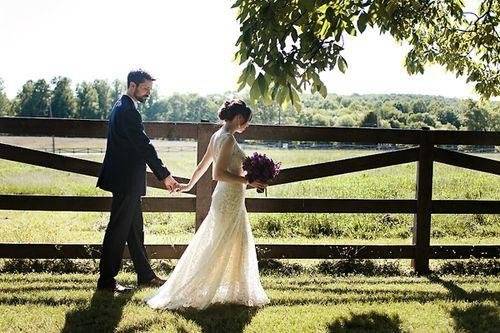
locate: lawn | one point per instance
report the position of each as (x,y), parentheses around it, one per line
(300,303)
(307,301)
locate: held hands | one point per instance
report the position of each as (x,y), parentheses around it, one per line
(184,188)
(171,184)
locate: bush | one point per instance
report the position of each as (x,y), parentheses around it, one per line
(273,266)
(470,267)
(358,266)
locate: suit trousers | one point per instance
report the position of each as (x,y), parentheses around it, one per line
(125,225)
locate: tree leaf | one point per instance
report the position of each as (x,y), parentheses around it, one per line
(251,74)
(307,4)
(323,91)
(342,64)
(261,81)
(362,20)
(255,91)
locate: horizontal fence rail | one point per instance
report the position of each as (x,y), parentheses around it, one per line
(163,130)
(66,163)
(424,154)
(280,251)
(348,165)
(253,205)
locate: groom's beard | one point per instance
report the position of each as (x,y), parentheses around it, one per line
(142,99)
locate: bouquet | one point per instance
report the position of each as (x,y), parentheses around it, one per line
(260,167)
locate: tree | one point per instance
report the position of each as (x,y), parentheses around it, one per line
(421,118)
(419,107)
(104,100)
(345,120)
(403,107)
(284,45)
(199,107)
(118,88)
(448,116)
(33,99)
(495,119)
(5,104)
(370,120)
(476,118)
(177,108)
(267,114)
(157,111)
(88,101)
(63,103)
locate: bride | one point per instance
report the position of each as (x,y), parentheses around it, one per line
(220,263)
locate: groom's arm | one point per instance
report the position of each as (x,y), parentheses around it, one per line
(134,130)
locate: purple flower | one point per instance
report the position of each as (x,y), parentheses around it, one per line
(260,167)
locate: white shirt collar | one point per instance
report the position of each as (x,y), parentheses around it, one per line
(136,103)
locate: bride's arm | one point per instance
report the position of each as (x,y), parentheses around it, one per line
(201,168)
(219,171)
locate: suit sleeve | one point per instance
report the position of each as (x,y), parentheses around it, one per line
(134,130)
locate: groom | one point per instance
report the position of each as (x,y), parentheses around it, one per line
(123,173)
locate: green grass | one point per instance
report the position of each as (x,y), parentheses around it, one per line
(302,303)
(385,183)
(305,302)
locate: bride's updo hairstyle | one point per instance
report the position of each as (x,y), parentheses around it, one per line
(234,107)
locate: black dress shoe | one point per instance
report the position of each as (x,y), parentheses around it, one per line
(154,283)
(115,288)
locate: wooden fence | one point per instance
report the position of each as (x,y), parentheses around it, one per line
(425,153)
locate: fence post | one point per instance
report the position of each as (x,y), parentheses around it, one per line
(204,185)
(422,219)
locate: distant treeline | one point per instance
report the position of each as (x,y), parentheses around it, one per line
(94,100)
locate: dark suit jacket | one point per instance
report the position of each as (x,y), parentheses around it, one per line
(127,151)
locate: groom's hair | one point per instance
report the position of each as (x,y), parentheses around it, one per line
(138,76)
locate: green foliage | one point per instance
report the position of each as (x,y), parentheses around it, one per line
(118,88)
(63,102)
(104,96)
(422,118)
(447,116)
(184,107)
(88,101)
(284,45)
(477,118)
(370,120)
(94,100)
(5,104)
(419,107)
(33,99)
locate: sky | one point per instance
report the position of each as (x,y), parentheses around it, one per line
(187,46)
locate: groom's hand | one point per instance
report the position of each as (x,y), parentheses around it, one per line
(170,184)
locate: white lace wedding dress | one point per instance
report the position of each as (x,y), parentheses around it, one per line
(220,263)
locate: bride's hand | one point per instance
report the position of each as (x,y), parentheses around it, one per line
(258,184)
(184,188)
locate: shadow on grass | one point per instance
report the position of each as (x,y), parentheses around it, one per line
(102,314)
(372,321)
(474,318)
(227,318)
(221,317)
(456,292)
